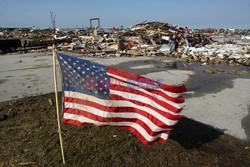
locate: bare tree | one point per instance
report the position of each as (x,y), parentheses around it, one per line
(53,21)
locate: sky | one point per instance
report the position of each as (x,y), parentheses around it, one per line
(114,13)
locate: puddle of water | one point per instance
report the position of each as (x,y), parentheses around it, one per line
(202,83)
(152,65)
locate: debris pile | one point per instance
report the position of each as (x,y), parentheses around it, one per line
(143,39)
(147,38)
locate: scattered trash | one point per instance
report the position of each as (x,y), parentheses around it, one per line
(165,49)
(50,102)
(32,164)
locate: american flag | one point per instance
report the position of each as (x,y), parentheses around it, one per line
(100,95)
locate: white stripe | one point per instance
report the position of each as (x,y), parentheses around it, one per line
(176,105)
(120,103)
(171,94)
(131,124)
(106,114)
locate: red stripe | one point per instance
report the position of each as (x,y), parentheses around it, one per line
(137,92)
(131,129)
(73,122)
(126,109)
(137,78)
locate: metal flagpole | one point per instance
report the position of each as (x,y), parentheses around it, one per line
(57,108)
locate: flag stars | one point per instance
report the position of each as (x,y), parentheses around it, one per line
(76,72)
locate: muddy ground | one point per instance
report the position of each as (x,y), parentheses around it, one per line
(29,136)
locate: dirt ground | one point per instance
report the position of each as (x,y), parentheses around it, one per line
(28,137)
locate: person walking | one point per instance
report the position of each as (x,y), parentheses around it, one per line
(174,42)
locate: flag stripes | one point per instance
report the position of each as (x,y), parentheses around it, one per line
(107,96)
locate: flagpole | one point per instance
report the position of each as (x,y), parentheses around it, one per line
(57,108)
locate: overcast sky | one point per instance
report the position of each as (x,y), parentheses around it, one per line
(192,13)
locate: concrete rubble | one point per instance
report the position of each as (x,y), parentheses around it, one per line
(143,39)
(219,54)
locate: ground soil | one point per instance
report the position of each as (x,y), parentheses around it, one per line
(29,137)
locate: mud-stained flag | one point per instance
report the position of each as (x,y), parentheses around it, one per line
(100,95)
